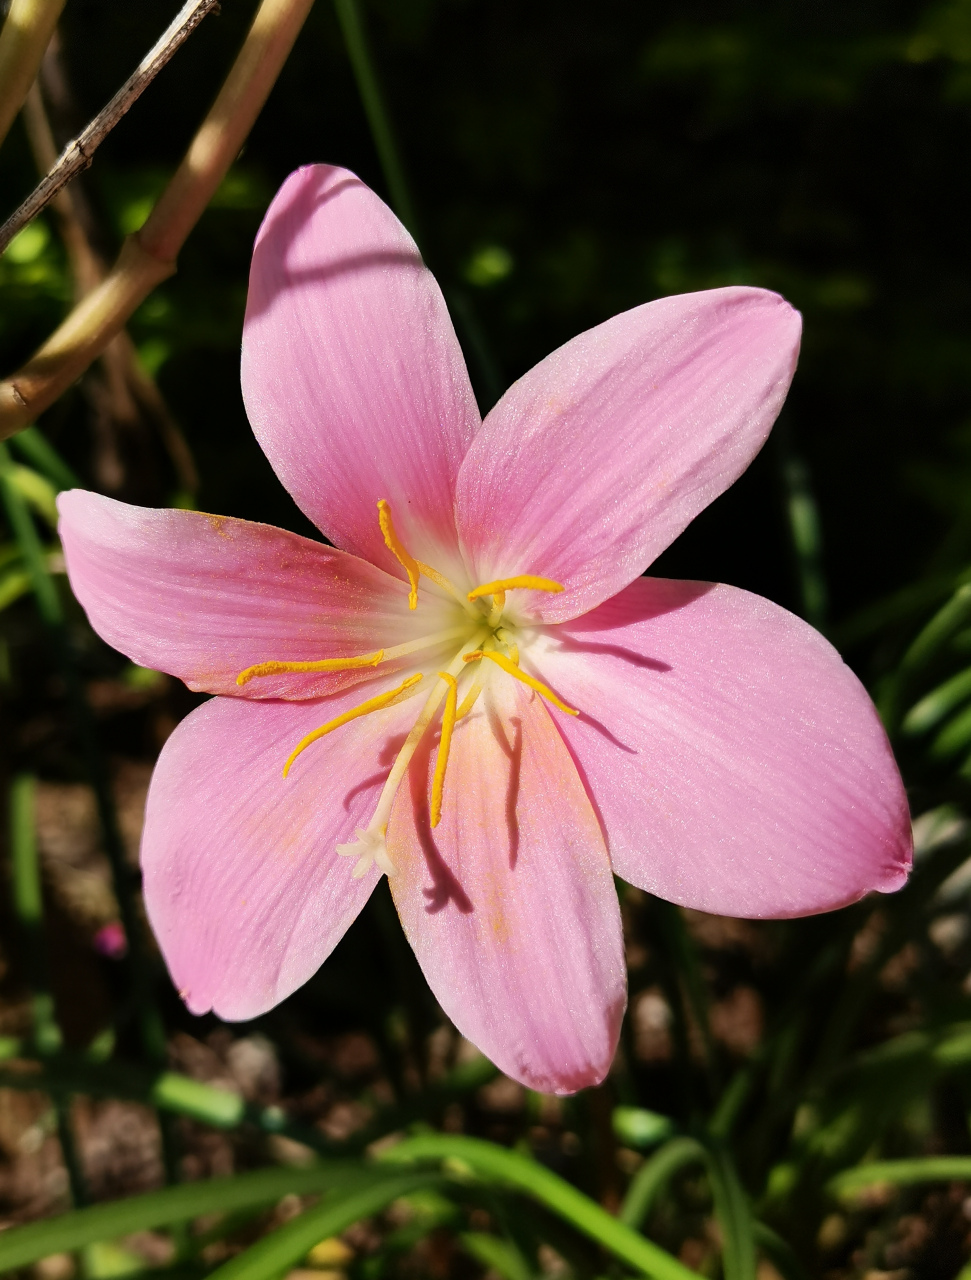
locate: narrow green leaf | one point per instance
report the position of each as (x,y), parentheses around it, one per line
(31,548)
(734,1216)
(902,1173)
(14,583)
(37,449)
(483,1159)
(498,1255)
(275,1253)
(954,737)
(932,709)
(654,1175)
(37,491)
(954,614)
(20,1246)
(23,846)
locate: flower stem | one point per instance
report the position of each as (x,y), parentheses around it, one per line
(149,257)
(25,34)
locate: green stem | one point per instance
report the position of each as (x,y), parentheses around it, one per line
(467,1156)
(52,615)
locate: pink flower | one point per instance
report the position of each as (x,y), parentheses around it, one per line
(694,739)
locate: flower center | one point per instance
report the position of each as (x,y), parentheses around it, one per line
(484,640)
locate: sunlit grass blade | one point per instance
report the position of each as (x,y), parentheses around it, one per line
(275,1253)
(20,1246)
(497,1164)
(901,1173)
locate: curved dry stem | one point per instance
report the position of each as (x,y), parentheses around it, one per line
(25,34)
(148,257)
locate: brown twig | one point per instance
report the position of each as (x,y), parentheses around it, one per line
(128,394)
(22,43)
(78,153)
(148,257)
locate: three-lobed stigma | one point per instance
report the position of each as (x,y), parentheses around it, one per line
(485,641)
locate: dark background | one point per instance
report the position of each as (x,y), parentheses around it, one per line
(613,153)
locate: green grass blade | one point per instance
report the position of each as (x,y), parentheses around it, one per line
(20,1246)
(276,1253)
(902,1173)
(734,1216)
(526,1175)
(932,708)
(654,1175)
(36,448)
(497,1255)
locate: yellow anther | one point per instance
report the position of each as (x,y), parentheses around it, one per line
(323,664)
(510,667)
(397,549)
(445,742)
(373,704)
(527,581)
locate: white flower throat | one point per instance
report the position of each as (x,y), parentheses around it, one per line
(481,638)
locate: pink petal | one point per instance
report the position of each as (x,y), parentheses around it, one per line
(243,886)
(509,902)
(352,375)
(595,460)
(736,763)
(202,597)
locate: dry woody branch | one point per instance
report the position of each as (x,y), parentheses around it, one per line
(79,152)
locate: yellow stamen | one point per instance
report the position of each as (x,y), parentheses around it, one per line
(510,667)
(323,664)
(397,549)
(470,699)
(445,742)
(370,839)
(362,660)
(373,704)
(529,581)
